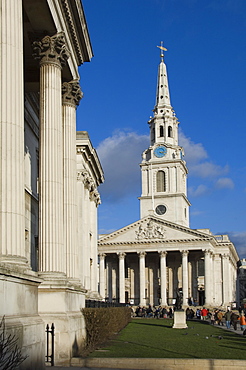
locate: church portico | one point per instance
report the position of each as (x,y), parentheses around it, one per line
(153,269)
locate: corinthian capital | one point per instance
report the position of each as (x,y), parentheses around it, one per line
(71,93)
(51,49)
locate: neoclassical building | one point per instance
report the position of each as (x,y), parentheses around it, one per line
(154,259)
(48,185)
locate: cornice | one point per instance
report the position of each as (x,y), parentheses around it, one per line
(70,18)
(153,241)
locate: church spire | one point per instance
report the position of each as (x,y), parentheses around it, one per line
(164,172)
(162,93)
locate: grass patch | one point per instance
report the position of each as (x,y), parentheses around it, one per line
(151,338)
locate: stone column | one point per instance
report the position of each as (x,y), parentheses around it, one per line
(109,281)
(121,277)
(71,96)
(102,274)
(212,280)
(163,266)
(225,279)
(142,277)
(12,202)
(52,54)
(185,283)
(207,277)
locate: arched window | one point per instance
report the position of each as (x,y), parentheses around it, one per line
(161,181)
(170,131)
(161,131)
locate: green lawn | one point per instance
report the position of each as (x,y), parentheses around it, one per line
(152,338)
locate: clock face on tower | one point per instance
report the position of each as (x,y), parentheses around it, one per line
(160,151)
(160,210)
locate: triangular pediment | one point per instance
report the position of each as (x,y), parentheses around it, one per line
(152,229)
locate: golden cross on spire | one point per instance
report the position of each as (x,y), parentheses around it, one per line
(161,47)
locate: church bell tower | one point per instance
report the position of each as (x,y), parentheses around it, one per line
(164,171)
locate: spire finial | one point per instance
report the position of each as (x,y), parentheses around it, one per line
(161,47)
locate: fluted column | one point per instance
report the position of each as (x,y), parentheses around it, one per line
(52,54)
(163,265)
(122,277)
(185,283)
(12,201)
(225,278)
(102,274)
(71,96)
(208,288)
(212,280)
(142,277)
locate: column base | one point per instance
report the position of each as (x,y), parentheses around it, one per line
(19,305)
(61,304)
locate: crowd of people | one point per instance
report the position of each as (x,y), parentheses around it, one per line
(230,318)
(156,312)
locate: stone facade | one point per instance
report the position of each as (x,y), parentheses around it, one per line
(159,256)
(43,278)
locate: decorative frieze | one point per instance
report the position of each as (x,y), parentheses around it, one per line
(151,231)
(51,49)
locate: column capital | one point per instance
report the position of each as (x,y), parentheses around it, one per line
(121,255)
(71,93)
(141,254)
(163,253)
(184,253)
(51,49)
(224,255)
(207,252)
(102,255)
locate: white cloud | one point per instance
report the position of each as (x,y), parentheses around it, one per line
(196,212)
(196,158)
(224,183)
(120,155)
(207,169)
(194,153)
(239,240)
(197,192)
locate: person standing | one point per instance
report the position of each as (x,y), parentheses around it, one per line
(234,319)
(227,317)
(212,318)
(242,321)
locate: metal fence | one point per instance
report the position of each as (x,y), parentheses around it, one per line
(50,345)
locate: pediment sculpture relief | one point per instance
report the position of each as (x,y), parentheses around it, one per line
(151,231)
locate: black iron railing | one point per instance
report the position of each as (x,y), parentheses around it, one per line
(50,348)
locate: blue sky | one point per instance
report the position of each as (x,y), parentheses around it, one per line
(206,61)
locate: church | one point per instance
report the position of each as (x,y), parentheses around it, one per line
(158,257)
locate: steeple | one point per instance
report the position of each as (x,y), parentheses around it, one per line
(164,172)
(162,93)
